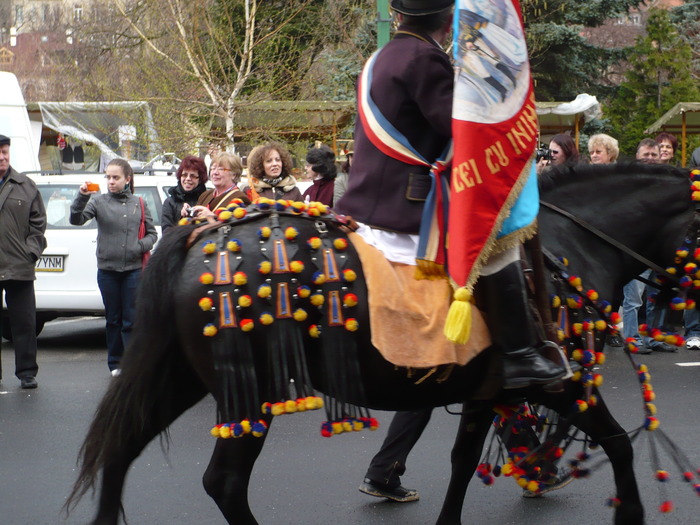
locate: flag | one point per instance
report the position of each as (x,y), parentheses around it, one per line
(493,185)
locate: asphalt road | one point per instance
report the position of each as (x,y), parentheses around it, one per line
(302,478)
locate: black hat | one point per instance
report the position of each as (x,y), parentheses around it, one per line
(4,141)
(420,7)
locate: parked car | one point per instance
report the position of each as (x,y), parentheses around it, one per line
(66,273)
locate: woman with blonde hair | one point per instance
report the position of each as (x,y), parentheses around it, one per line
(225,172)
(603,149)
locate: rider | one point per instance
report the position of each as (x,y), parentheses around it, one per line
(412,87)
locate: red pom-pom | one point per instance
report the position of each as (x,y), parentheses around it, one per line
(666,507)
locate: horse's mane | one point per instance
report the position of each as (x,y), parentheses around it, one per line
(557,176)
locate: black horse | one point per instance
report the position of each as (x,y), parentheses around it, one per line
(171,364)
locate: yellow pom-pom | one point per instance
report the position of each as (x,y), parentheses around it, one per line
(234,245)
(265,232)
(651,408)
(291,233)
(313,331)
(264,291)
(350,300)
(210,330)
(522,482)
(314,243)
(337,427)
(240,278)
(556,301)
(244,301)
(600,358)
(206,304)
(265,267)
(577,354)
(183,221)
(601,325)
(296,266)
(533,486)
(206,278)
(209,247)
(278,409)
(349,275)
(351,325)
(247,325)
(225,432)
(300,314)
(317,299)
(576,376)
(340,244)
(225,215)
(215,431)
(239,213)
(290,406)
(266,319)
(459,317)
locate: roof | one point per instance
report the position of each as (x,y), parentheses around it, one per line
(557,117)
(672,121)
(294,117)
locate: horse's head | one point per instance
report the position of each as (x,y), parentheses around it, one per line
(647,208)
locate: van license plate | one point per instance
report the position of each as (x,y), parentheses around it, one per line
(50,263)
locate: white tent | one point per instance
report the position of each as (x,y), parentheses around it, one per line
(558,117)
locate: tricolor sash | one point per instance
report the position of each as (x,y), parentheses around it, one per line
(386,138)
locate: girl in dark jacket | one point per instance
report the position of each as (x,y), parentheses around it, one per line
(191,179)
(321,169)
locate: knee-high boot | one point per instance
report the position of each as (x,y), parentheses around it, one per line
(512,327)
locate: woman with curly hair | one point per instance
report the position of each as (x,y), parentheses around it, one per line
(270,173)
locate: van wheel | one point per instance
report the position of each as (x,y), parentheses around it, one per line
(7,332)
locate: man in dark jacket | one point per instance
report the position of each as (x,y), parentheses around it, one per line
(406,93)
(22,226)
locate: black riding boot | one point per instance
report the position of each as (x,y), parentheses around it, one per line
(512,328)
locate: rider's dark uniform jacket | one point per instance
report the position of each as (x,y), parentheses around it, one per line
(412,86)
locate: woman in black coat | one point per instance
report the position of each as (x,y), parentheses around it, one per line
(191,177)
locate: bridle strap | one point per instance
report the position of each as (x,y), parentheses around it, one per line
(613,242)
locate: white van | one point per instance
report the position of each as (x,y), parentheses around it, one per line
(14,123)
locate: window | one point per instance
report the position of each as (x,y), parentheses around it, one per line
(19,15)
(57,199)
(77,13)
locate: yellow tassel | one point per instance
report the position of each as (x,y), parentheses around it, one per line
(458,324)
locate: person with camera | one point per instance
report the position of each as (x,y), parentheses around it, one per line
(562,150)
(191,180)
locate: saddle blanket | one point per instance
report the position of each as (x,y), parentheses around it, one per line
(407,316)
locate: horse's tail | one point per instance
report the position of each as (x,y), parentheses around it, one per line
(142,401)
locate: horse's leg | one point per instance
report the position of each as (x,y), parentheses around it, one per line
(466,453)
(600,425)
(228,475)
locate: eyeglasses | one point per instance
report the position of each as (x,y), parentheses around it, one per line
(219,168)
(192,176)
